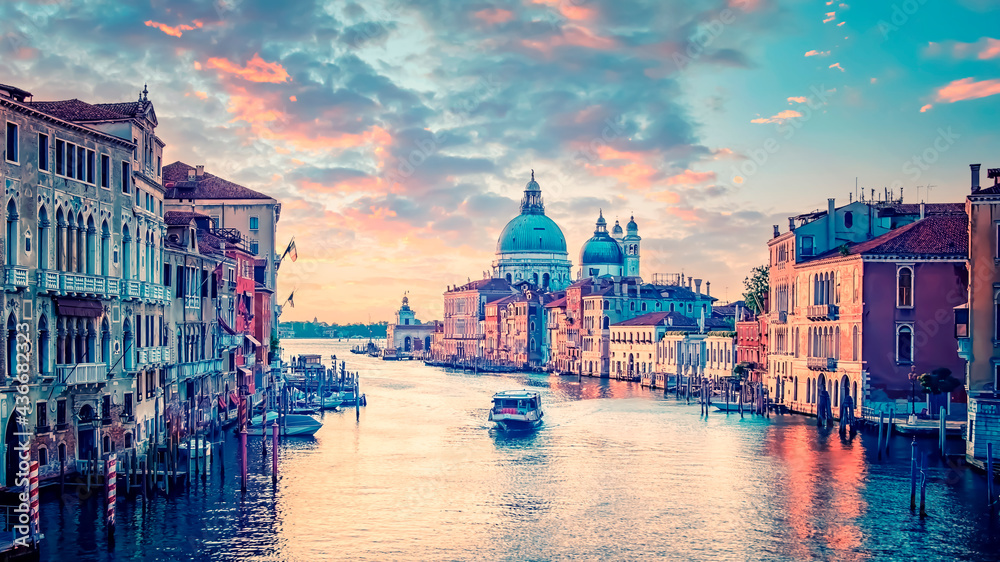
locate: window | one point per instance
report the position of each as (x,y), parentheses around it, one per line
(90,167)
(215,221)
(807,245)
(105,170)
(254,223)
(60,150)
(41,416)
(159,162)
(43,456)
(904,344)
(106,407)
(254,247)
(848,219)
(904,283)
(126,177)
(43,152)
(127,410)
(81,157)
(70,159)
(13,151)
(61,414)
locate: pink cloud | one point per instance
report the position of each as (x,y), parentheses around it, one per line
(174,31)
(985,49)
(968,89)
(830,16)
(837,66)
(815,53)
(873,80)
(690,177)
(745,5)
(570,10)
(256,69)
(494,16)
(572,35)
(780,117)
(926,108)
(798,99)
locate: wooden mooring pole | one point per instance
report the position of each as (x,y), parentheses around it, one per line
(881,422)
(923,486)
(990,498)
(942,430)
(913,474)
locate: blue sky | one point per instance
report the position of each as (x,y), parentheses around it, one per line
(399,134)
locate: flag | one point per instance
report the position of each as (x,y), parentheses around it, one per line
(293,251)
(218,275)
(290,297)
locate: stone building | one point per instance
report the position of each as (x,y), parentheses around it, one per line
(532,246)
(82,272)
(409,335)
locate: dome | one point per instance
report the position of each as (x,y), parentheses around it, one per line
(601,250)
(632,227)
(617,230)
(531,234)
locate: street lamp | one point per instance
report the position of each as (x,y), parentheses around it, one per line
(913,392)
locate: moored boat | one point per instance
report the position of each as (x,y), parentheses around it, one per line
(517,410)
(294,425)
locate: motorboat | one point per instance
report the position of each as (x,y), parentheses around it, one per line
(292,425)
(349,397)
(517,410)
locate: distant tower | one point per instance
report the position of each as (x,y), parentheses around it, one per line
(617,233)
(631,247)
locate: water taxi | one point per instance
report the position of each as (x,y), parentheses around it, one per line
(295,425)
(517,410)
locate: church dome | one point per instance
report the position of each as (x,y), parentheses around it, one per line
(616,232)
(531,233)
(632,227)
(601,249)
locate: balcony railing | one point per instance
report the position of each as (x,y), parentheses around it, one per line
(180,371)
(192,301)
(47,280)
(821,312)
(83,373)
(148,355)
(821,363)
(131,289)
(16,276)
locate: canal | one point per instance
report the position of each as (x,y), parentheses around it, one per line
(617,472)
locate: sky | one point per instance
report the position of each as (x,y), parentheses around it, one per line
(398,135)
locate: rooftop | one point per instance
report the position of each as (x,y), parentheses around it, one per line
(208,186)
(939,235)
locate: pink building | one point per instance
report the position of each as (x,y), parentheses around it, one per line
(857,316)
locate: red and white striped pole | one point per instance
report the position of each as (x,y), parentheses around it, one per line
(274,451)
(36,530)
(111,478)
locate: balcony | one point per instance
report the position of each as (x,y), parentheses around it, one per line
(131,289)
(47,280)
(180,371)
(192,301)
(821,312)
(780,317)
(965,348)
(152,355)
(228,341)
(821,363)
(83,373)
(16,276)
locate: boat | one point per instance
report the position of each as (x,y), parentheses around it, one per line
(330,401)
(295,425)
(730,407)
(517,410)
(349,397)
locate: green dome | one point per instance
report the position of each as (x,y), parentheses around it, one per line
(601,249)
(531,234)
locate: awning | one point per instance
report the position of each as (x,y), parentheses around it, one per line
(244,372)
(226,327)
(234,398)
(79,307)
(253,340)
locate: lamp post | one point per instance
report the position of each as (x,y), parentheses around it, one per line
(913,392)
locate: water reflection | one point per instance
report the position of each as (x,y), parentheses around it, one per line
(615,472)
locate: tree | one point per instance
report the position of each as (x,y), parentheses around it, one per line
(757,287)
(939,381)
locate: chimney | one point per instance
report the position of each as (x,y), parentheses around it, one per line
(777,232)
(690,283)
(191,176)
(923,209)
(708,288)
(201,170)
(831,222)
(697,286)
(975,176)
(791,224)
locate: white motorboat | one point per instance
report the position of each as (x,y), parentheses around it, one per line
(517,410)
(294,425)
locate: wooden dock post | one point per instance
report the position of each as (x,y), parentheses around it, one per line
(942,429)
(274,453)
(989,477)
(243,459)
(881,422)
(913,474)
(923,486)
(888,428)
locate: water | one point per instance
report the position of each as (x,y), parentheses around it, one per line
(616,473)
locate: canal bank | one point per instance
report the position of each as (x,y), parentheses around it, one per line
(617,472)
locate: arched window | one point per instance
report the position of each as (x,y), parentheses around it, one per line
(43,238)
(12,245)
(848,219)
(11,345)
(545,281)
(128,345)
(43,346)
(904,344)
(854,343)
(631,306)
(856,287)
(105,342)
(644,307)
(91,246)
(60,240)
(795,390)
(836,343)
(105,251)
(904,284)
(605,322)
(509,278)
(81,244)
